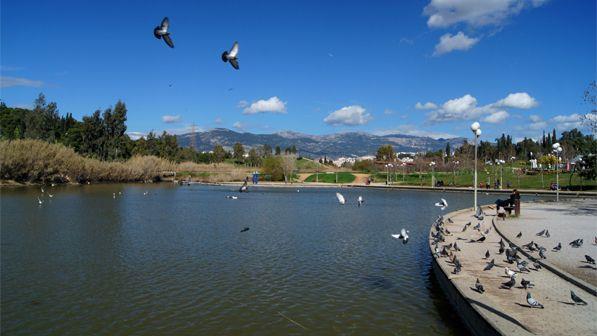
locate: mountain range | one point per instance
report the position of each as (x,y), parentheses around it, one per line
(314,146)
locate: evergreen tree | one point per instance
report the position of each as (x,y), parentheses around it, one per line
(278,150)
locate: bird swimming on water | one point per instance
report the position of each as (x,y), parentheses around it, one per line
(231,56)
(340,198)
(161,32)
(360,201)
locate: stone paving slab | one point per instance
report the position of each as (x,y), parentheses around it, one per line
(566,221)
(507,310)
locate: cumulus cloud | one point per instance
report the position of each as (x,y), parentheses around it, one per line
(426,106)
(239,126)
(169,119)
(416,131)
(475,13)
(271,105)
(135,135)
(353,115)
(521,100)
(6,82)
(568,121)
(466,108)
(448,43)
(537,122)
(496,117)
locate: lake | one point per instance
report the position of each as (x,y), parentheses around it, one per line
(175,262)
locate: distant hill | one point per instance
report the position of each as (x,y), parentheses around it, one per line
(332,145)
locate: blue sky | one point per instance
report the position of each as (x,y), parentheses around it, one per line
(414,67)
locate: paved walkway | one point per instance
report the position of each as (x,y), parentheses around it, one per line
(566,221)
(507,310)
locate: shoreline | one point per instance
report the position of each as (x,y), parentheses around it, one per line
(563,193)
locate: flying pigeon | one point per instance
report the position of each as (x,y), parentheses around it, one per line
(360,200)
(442,204)
(489,265)
(479,286)
(532,302)
(589,259)
(519,235)
(557,248)
(244,229)
(231,56)
(577,300)
(161,31)
(576,243)
(508,284)
(340,198)
(403,235)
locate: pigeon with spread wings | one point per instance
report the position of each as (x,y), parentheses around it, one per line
(231,56)
(161,31)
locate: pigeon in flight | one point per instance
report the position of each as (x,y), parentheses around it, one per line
(479,286)
(557,248)
(161,31)
(402,235)
(576,243)
(589,259)
(360,200)
(532,302)
(577,300)
(340,198)
(245,229)
(231,56)
(519,235)
(442,204)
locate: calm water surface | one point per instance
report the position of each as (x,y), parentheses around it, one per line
(174,262)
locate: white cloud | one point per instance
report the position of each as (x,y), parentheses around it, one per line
(448,43)
(567,121)
(566,118)
(349,116)
(135,135)
(218,121)
(6,82)
(496,117)
(239,126)
(521,100)
(475,13)
(535,118)
(242,104)
(169,119)
(537,122)
(416,131)
(465,108)
(426,106)
(271,105)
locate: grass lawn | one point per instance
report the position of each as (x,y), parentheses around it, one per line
(343,177)
(305,164)
(465,178)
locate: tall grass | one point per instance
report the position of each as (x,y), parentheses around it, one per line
(37,161)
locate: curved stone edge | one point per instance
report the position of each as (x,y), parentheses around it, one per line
(564,275)
(469,313)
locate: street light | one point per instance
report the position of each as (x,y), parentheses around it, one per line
(557,150)
(476,129)
(432,165)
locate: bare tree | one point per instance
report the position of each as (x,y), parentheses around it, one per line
(288,166)
(590,119)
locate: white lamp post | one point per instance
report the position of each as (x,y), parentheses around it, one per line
(557,150)
(432,165)
(476,129)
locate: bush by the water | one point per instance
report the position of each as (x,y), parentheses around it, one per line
(39,161)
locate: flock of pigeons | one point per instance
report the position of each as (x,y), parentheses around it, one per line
(161,33)
(510,252)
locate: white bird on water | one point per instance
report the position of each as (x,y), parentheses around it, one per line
(443,204)
(360,200)
(40,202)
(340,198)
(114,195)
(232,197)
(403,235)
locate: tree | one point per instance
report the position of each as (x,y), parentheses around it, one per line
(219,153)
(238,151)
(288,163)
(272,166)
(43,122)
(293,149)
(267,150)
(385,153)
(278,150)
(448,150)
(589,97)
(254,159)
